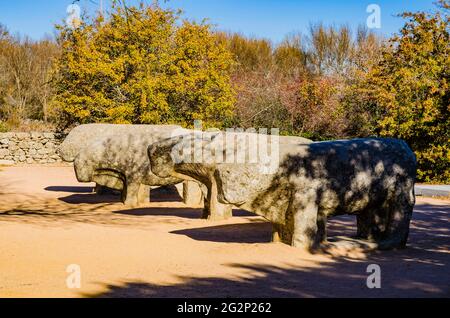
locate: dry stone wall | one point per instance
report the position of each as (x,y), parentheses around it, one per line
(29,148)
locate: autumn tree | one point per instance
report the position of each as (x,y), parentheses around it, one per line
(25,78)
(140,65)
(410,88)
(290,56)
(307,84)
(250,54)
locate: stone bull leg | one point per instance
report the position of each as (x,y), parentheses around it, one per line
(321,228)
(281,234)
(218,212)
(136,194)
(305,233)
(388,225)
(305,225)
(192,193)
(215,210)
(397,230)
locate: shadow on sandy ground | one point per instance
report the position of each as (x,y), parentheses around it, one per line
(86,195)
(187,213)
(249,233)
(165,194)
(342,278)
(70,189)
(91,198)
(421,270)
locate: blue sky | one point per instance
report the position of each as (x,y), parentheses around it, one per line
(262,18)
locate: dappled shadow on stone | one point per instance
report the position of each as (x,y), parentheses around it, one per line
(372,178)
(256,232)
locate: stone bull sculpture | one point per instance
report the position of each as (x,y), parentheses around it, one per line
(121,162)
(370,178)
(244,147)
(81,138)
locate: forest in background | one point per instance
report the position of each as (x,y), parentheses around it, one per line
(146,65)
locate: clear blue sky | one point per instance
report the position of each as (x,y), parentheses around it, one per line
(262,18)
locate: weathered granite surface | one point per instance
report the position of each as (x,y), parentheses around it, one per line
(29,148)
(370,178)
(81,136)
(215,149)
(120,162)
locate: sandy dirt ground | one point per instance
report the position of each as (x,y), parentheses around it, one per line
(49,221)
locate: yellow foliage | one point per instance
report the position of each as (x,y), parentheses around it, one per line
(410,89)
(140,66)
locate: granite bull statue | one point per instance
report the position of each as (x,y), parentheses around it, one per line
(370,178)
(134,193)
(218,147)
(121,162)
(82,136)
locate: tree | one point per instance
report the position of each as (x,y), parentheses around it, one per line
(139,65)
(410,87)
(330,49)
(290,56)
(25,71)
(250,54)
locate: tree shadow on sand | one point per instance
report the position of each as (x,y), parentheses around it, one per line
(341,278)
(421,270)
(53,212)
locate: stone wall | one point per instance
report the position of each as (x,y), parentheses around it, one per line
(29,148)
